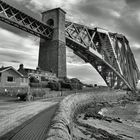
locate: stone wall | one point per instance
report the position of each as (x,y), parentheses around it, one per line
(36,92)
(62,122)
(12,91)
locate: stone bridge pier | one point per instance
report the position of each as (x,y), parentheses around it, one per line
(52,53)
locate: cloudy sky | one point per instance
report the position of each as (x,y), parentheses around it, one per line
(121,16)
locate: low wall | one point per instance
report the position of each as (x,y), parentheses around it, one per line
(36,92)
(12,91)
(61,125)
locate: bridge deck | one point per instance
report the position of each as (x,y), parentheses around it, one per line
(37,128)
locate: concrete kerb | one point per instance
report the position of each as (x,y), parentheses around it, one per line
(61,127)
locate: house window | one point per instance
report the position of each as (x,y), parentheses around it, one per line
(10,79)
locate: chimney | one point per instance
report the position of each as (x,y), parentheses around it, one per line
(21,66)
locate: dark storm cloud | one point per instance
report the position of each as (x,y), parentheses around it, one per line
(130,26)
(22,5)
(136,52)
(97,12)
(129,22)
(121,16)
(91,10)
(133,3)
(102,9)
(115,15)
(101,13)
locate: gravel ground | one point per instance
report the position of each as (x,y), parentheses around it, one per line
(13,113)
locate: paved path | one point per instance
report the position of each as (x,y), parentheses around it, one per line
(37,128)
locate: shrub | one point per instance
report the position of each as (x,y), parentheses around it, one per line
(53,85)
(33,80)
(65,85)
(39,85)
(76,86)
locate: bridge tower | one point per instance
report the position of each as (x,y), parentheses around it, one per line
(52,53)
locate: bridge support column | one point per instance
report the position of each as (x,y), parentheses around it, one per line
(52,53)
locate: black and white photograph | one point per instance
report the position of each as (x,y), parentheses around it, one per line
(69,69)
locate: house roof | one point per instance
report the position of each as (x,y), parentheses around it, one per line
(2,69)
(25,71)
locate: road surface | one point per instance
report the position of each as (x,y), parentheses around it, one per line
(36,129)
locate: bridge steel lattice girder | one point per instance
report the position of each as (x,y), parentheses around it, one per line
(109,53)
(16,18)
(100,44)
(84,54)
(126,60)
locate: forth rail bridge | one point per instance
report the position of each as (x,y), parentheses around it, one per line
(109,53)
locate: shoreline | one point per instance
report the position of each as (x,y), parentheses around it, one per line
(93,124)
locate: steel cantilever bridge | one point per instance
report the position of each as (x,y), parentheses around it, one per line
(109,53)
